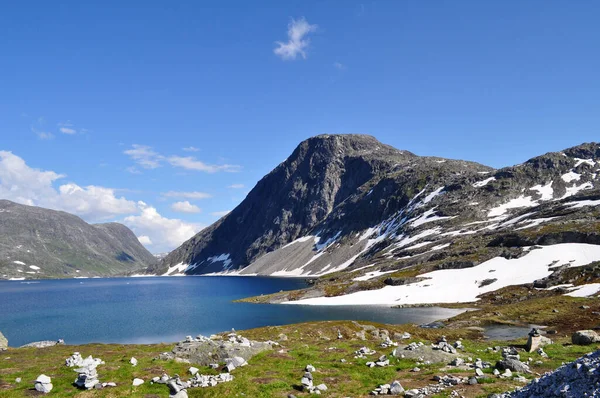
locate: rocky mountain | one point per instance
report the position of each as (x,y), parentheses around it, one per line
(363,213)
(42,243)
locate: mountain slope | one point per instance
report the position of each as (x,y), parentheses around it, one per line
(43,243)
(349,203)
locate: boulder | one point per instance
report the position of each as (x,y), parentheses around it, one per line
(137,382)
(204,351)
(44,344)
(133,361)
(43,384)
(513,365)
(585,337)
(3,342)
(396,388)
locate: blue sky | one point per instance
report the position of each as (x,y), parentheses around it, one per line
(100,100)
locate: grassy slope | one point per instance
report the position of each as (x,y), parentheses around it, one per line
(275,373)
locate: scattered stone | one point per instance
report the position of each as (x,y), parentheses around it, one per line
(43,384)
(44,344)
(457,362)
(235,362)
(473,381)
(310,368)
(362,352)
(542,353)
(585,337)
(18,380)
(513,365)
(416,369)
(479,372)
(3,342)
(282,337)
(137,382)
(193,370)
(133,361)
(396,388)
(572,380)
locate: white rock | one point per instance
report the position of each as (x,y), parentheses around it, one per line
(193,370)
(137,382)
(133,361)
(43,379)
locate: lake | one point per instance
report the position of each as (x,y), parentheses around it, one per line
(153,310)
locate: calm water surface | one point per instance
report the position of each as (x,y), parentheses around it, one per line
(152,310)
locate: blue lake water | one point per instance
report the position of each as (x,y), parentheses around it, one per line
(153,310)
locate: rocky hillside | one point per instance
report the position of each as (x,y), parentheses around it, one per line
(349,203)
(42,243)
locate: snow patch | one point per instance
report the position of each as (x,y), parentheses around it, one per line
(521,201)
(371,275)
(432,195)
(578,162)
(177,267)
(35,267)
(428,216)
(570,176)
(19,262)
(299,240)
(545,191)
(576,188)
(585,290)
(221,257)
(464,285)
(581,203)
(483,183)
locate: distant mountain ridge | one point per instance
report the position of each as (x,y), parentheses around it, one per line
(343,201)
(43,243)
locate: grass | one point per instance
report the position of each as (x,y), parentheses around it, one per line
(274,373)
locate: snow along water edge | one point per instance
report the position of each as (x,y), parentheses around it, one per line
(442,286)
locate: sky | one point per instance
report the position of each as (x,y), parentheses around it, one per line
(164,115)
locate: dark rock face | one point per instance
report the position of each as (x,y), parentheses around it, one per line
(348,202)
(43,243)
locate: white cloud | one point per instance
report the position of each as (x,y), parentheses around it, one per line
(145,156)
(67,130)
(191,163)
(164,233)
(185,207)
(187,195)
(145,240)
(297,42)
(26,185)
(236,186)
(191,149)
(220,213)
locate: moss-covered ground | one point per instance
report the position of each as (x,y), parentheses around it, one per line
(277,373)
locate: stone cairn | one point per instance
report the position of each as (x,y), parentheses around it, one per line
(307,381)
(87,375)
